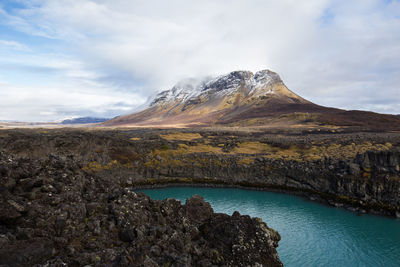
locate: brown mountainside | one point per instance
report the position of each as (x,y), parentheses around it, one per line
(242,98)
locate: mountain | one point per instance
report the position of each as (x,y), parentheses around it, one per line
(84,120)
(242,98)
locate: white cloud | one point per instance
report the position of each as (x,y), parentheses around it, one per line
(13,45)
(43,104)
(337,53)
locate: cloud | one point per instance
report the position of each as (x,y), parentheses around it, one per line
(336,53)
(13,45)
(52,103)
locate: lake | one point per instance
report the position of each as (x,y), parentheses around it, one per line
(312,234)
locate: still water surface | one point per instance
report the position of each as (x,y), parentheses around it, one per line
(312,234)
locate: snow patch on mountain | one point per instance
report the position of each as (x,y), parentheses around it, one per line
(189,89)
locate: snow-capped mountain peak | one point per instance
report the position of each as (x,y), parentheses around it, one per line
(189,89)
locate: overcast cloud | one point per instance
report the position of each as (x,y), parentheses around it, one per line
(67,58)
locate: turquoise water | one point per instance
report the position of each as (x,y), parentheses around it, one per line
(312,234)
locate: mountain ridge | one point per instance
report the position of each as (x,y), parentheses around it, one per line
(84,120)
(243,98)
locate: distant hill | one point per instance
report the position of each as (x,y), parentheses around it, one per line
(84,120)
(242,98)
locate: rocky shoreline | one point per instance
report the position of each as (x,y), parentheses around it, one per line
(54,214)
(328,200)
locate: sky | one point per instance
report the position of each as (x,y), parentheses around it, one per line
(63,59)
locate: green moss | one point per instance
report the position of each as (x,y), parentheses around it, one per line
(246,161)
(282,152)
(95,166)
(164,147)
(181,136)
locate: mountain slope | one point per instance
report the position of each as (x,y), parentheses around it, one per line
(84,120)
(242,98)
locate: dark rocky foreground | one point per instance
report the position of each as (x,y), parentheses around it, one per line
(65,194)
(54,214)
